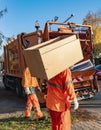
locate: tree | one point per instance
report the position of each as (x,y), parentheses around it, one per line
(94,19)
(97,50)
(2,12)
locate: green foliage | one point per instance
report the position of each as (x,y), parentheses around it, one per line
(2,37)
(94,19)
(97,50)
(22,123)
(97,33)
(2,12)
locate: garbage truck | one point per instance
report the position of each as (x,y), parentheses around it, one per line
(14,59)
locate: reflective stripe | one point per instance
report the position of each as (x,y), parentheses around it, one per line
(55,85)
(67,82)
(32,90)
(58,86)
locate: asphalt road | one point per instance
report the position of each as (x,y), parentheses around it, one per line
(10,104)
(93,104)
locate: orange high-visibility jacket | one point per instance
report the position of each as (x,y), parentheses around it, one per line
(60,91)
(28,80)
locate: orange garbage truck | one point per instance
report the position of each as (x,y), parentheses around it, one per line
(14,61)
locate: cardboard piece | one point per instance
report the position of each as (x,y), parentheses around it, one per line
(84,65)
(52,57)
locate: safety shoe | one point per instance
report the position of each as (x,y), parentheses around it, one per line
(42,118)
(27,114)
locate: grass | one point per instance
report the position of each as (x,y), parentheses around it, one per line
(21,123)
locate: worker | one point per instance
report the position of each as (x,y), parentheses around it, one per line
(29,83)
(60,94)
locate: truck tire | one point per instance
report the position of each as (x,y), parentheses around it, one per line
(18,88)
(5,83)
(23,93)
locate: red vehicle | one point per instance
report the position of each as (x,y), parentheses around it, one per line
(98,71)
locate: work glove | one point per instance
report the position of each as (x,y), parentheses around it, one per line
(27,91)
(76,104)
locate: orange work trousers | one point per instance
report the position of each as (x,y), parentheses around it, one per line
(60,120)
(32,101)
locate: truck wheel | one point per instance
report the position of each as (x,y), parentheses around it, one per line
(6,87)
(18,88)
(5,84)
(23,93)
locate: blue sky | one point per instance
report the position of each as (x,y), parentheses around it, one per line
(22,14)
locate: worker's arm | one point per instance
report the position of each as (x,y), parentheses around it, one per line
(69,88)
(68,84)
(28,82)
(76,104)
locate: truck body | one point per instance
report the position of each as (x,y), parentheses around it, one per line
(14,61)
